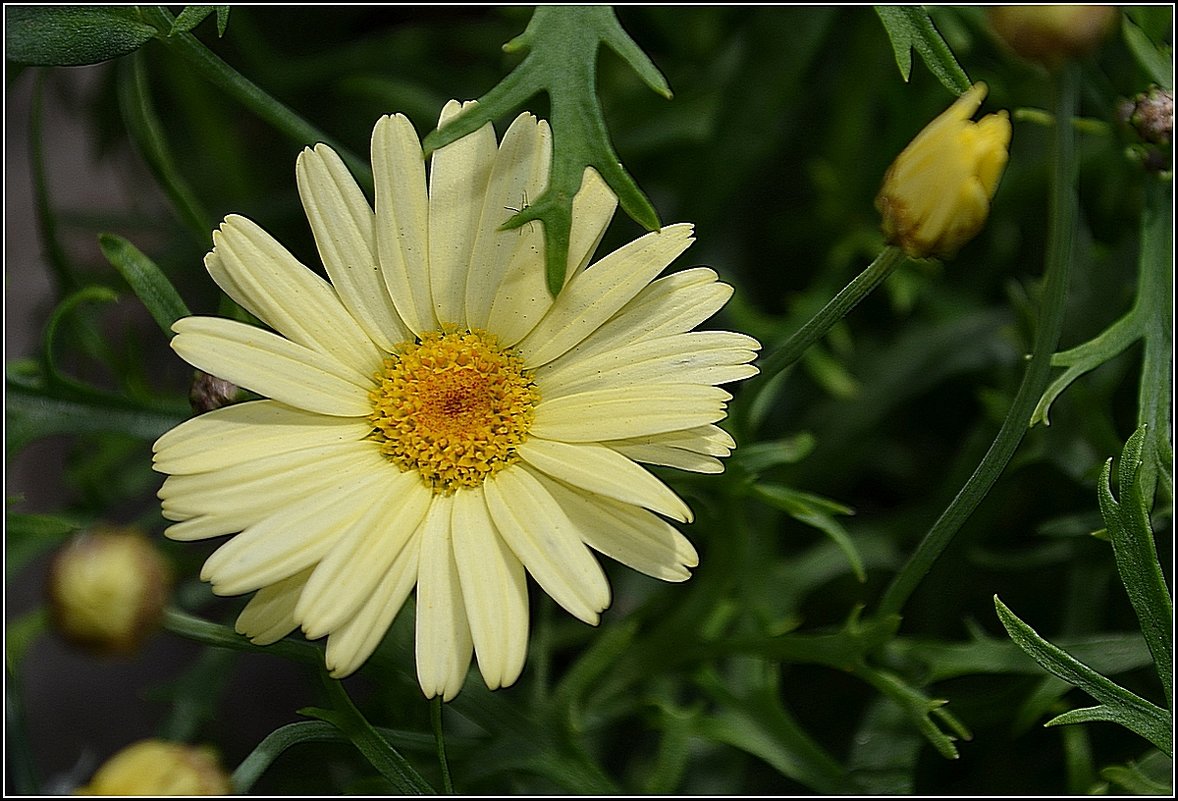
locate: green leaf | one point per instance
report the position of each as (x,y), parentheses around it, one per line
(146,280)
(909,27)
(815,511)
(1133,712)
(1151,775)
(277,741)
(920,710)
(760,725)
(1153,60)
(26,536)
(20,633)
(563,44)
(72,35)
(192,16)
(1136,556)
(147,133)
(375,748)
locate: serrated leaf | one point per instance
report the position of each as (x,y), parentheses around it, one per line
(562,44)
(72,35)
(1136,556)
(910,28)
(1135,713)
(192,16)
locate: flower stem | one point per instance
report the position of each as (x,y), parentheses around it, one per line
(435,717)
(831,313)
(1061,237)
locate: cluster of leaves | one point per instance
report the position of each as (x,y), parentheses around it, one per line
(818,645)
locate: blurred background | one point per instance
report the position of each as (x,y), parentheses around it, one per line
(782,125)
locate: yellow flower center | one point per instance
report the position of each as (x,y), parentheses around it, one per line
(453,407)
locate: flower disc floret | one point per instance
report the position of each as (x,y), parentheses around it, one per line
(452,406)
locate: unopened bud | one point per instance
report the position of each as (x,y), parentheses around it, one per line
(159,768)
(1052,34)
(107,589)
(936,195)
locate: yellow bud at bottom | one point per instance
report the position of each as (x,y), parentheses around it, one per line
(158,768)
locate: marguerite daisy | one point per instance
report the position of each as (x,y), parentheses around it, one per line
(434,418)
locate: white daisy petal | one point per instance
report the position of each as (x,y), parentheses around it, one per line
(633,411)
(264,278)
(501,259)
(345,234)
(402,220)
(593,296)
(245,431)
(286,542)
(444,643)
(269,616)
(347,576)
(593,208)
(599,470)
(539,532)
(700,357)
(272,366)
(494,590)
(354,641)
(458,177)
(635,537)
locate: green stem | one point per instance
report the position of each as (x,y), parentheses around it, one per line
(1060,243)
(435,717)
(1155,290)
(241,89)
(831,313)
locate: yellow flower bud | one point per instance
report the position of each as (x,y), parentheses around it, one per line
(1052,34)
(107,589)
(936,195)
(158,768)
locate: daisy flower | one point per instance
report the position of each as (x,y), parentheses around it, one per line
(434,419)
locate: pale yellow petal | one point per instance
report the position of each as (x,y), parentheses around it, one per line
(444,645)
(593,208)
(349,573)
(287,541)
(670,305)
(353,642)
(632,411)
(243,432)
(269,616)
(671,457)
(539,532)
(402,220)
(262,276)
(507,265)
(596,294)
(635,537)
(699,357)
(345,234)
(458,177)
(597,469)
(494,590)
(272,366)
(243,494)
